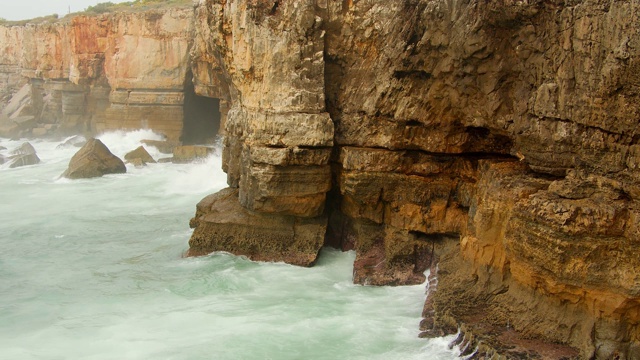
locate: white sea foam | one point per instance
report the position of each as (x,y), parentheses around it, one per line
(92,269)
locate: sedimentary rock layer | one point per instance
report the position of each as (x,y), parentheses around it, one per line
(494,141)
(96,73)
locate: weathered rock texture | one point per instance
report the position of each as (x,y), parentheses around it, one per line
(496,139)
(90,74)
(93,160)
(504,129)
(139,156)
(222,224)
(266,60)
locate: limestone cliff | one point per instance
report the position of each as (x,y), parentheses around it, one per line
(491,141)
(90,74)
(495,137)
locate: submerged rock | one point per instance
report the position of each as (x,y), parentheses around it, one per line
(164,146)
(139,157)
(94,160)
(77,141)
(189,153)
(23,156)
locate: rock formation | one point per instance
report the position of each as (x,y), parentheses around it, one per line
(496,138)
(23,156)
(139,156)
(493,141)
(190,153)
(93,160)
(90,74)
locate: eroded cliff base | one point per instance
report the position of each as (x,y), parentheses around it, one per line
(479,310)
(222,224)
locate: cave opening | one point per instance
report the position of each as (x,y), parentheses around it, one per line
(202,116)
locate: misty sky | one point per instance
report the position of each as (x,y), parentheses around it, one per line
(27,9)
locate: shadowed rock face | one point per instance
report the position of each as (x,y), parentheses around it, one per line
(496,139)
(93,160)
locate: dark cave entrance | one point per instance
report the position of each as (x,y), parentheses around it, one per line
(201,116)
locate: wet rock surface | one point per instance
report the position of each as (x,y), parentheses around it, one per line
(93,160)
(139,157)
(23,156)
(222,224)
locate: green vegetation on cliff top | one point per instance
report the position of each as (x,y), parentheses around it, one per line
(102,8)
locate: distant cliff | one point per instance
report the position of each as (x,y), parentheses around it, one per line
(89,74)
(494,142)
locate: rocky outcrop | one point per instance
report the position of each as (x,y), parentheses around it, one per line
(494,141)
(278,133)
(96,73)
(23,156)
(494,138)
(222,224)
(139,156)
(93,160)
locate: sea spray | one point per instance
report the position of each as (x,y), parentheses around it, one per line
(92,269)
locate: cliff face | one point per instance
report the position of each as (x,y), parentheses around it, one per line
(431,100)
(115,71)
(491,141)
(268,58)
(494,138)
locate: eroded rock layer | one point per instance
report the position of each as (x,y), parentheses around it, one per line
(493,142)
(509,126)
(90,74)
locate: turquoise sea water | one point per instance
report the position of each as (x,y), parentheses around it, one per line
(92,269)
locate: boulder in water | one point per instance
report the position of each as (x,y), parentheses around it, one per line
(94,160)
(76,140)
(189,153)
(24,149)
(140,154)
(23,156)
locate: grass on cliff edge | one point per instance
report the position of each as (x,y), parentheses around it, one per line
(101,8)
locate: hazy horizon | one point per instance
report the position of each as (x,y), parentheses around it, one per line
(29,9)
